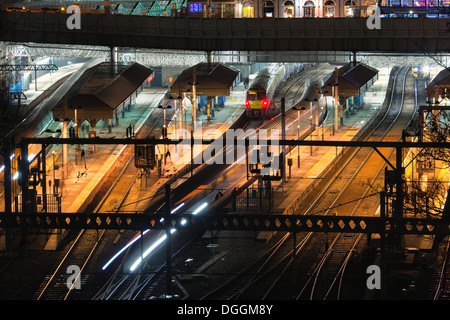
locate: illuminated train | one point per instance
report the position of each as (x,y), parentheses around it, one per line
(421,72)
(150,242)
(258,100)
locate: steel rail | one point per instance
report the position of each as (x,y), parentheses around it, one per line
(324,190)
(331,247)
(97,209)
(259,274)
(359,237)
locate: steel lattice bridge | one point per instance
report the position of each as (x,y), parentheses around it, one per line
(248,221)
(382,224)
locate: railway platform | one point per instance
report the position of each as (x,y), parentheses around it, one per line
(313,163)
(88,172)
(141,194)
(300,181)
(45,86)
(304,179)
(89,167)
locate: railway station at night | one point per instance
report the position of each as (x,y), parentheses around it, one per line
(199,152)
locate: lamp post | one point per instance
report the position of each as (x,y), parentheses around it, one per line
(53,157)
(298,131)
(311,123)
(322,123)
(164,130)
(178,117)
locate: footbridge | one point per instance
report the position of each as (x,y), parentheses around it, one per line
(406,35)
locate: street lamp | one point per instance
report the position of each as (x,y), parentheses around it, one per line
(55,167)
(311,124)
(299,109)
(164,129)
(164,120)
(178,117)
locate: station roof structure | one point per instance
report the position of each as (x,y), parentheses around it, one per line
(439,85)
(353,80)
(101,89)
(212,79)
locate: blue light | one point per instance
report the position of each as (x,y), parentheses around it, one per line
(195,7)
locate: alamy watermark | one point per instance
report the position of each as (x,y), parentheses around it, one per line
(374,19)
(374,280)
(74,21)
(74,280)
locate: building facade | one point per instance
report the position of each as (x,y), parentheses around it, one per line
(280,8)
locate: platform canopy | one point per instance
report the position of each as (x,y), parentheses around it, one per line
(353,80)
(212,79)
(440,85)
(101,90)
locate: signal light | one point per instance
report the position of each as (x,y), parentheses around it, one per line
(170,79)
(247,103)
(265,103)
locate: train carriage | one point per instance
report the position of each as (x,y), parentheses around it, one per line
(259,98)
(420,72)
(258,102)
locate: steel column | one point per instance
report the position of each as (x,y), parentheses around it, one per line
(7,186)
(168,241)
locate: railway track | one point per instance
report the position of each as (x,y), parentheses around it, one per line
(147,281)
(126,286)
(442,279)
(86,242)
(323,257)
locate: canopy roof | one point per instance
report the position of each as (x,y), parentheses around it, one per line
(440,84)
(213,79)
(101,89)
(353,80)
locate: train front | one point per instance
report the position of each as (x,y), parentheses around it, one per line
(256,102)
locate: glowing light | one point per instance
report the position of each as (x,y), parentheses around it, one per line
(129,244)
(16,175)
(200,208)
(150,250)
(10,158)
(123,249)
(161,239)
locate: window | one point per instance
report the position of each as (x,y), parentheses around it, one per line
(261,95)
(195,7)
(309,9)
(268,9)
(421,3)
(248,9)
(251,96)
(366,11)
(349,8)
(329,9)
(288,9)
